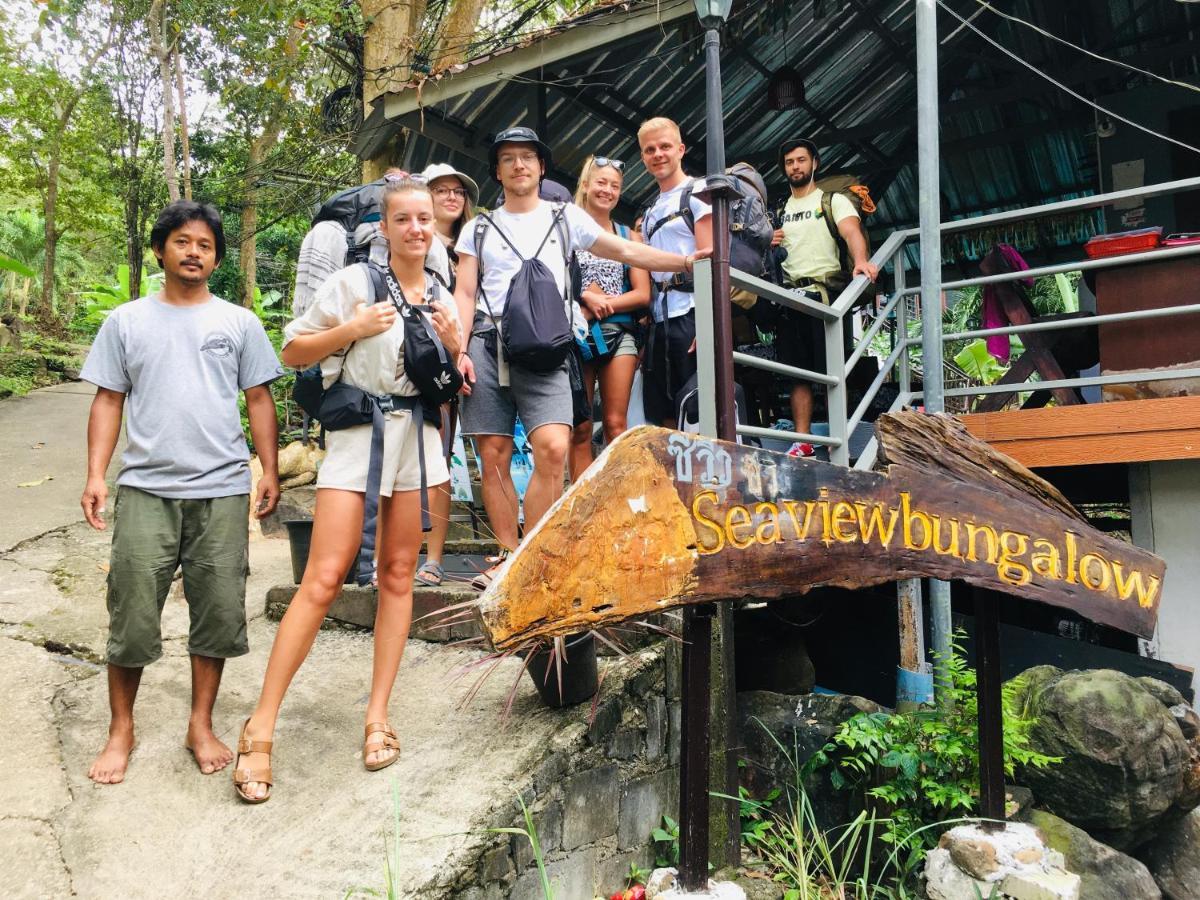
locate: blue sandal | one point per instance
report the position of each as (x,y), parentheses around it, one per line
(431,574)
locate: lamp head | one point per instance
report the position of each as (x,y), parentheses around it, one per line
(713,13)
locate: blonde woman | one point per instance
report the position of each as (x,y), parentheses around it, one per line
(362,343)
(614,296)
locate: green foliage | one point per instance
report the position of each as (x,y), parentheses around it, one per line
(979,365)
(666,842)
(529,832)
(754,815)
(922,767)
(8,264)
(637,875)
(101,299)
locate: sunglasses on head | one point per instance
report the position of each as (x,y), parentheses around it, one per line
(603,161)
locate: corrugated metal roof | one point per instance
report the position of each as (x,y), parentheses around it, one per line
(1008,139)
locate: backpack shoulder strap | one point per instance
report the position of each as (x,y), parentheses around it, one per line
(684,211)
(564,230)
(375,281)
(838,240)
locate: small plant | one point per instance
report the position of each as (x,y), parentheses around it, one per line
(666,842)
(755,815)
(530,833)
(922,767)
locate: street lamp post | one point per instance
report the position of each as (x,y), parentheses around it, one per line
(695,757)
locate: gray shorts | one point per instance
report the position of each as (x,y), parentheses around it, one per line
(620,342)
(538,398)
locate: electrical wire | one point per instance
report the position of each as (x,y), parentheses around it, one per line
(1116,62)
(1058,84)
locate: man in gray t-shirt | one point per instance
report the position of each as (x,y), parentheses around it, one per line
(175,362)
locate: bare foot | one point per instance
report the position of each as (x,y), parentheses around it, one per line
(211,755)
(109,766)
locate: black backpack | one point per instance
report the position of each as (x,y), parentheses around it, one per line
(351,208)
(535,330)
(750,227)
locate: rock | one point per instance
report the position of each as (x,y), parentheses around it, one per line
(1173,858)
(1017,799)
(945,881)
(10,339)
(1124,757)
(296,503)
(976,858)
(297,458)
(1105,873)
(1161,691)
(768,722)
(298,481)
(1041,886)
(659,882)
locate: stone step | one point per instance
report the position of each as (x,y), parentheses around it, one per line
(355,607)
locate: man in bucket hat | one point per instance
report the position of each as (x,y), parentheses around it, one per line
(494,249)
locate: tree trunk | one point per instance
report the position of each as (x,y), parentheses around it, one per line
(49,209)
(134,248)
(388,45)
(185,147)
(461,24)
(248,246)
(161,50)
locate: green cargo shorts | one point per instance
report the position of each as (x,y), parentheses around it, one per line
(152,537)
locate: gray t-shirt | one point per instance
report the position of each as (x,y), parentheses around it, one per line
(182,368)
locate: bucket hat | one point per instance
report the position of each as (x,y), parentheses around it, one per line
(517,135)
(435,171)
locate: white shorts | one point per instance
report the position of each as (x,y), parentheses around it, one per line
(349,452)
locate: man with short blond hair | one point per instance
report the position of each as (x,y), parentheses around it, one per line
(677,222)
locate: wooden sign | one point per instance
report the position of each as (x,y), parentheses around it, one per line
(664,519)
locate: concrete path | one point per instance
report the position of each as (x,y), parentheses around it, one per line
(43,443)
(170,831)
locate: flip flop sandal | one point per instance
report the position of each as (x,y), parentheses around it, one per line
(484,578)
(431,574)
(388,741)
(242,777)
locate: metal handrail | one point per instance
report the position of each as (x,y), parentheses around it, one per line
(892,251)
(1059,324)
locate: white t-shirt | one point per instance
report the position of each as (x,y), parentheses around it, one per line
(811,250)
(674,237)
(375,364)
(526,231)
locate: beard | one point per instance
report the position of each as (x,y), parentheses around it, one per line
(801,180)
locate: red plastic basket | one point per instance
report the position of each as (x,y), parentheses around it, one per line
(1123,242)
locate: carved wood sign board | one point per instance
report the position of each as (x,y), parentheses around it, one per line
(665,519)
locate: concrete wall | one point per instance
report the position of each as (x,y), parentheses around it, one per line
(595,796)
(1165,504)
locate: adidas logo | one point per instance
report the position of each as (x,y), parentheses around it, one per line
(442,380)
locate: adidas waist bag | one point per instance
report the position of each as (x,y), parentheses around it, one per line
(426,362)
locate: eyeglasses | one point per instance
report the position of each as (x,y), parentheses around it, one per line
(602,161)
(405,176)
(525,159)
(458,192)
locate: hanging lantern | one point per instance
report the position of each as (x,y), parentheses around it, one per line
(785,90)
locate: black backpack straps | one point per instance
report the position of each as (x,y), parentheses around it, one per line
(482,223)
(684,210)
(375,280)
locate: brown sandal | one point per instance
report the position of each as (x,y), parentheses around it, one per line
(245,776)
(387,742)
